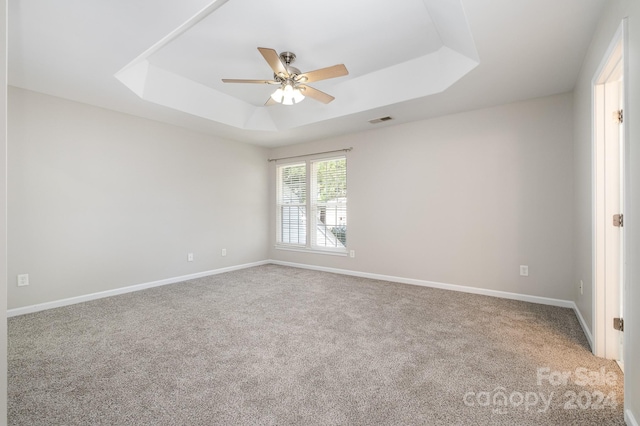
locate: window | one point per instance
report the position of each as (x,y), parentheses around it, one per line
(312,205)
(292,204)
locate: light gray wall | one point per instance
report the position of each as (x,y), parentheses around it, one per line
(100,200)
(463,199)
(3,212)
(615,11)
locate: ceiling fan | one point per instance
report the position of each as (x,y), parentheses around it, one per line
(293,83)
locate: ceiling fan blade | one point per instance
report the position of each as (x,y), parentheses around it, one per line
(316,94)
(236,80)
(270,102)
(273,59)
(323,74)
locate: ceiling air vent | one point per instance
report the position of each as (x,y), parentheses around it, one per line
(380,120)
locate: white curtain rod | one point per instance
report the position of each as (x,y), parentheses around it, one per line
(315,153)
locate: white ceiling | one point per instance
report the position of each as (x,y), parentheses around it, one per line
(523,49)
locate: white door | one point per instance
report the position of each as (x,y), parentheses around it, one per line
(609,199)
(613,151)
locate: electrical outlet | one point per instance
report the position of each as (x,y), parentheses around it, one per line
(23,279)
(524,270)
(224,252)
(581,288)
(352,253)
(190,257)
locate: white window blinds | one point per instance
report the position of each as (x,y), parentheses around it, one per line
(329,203)
(292,204)
(312,204)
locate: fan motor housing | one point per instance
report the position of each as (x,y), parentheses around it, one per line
(287,58)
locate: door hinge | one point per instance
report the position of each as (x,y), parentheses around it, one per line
(618,220)
(618,116)
(618,324)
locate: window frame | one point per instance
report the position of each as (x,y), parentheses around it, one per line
(310,204)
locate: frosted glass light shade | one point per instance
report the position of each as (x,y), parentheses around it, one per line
(297,96)
(277,95)
(287,95)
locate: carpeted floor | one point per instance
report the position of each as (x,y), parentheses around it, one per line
(278,345)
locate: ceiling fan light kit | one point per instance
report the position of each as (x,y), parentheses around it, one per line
(292,81)
(287,94)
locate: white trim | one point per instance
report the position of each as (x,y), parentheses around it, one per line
(304,249)
(583,324)
(628,415)
(455,287)
(433,284)
(629,418)
(411,281)
(203,13)
(129,289)
(603,343)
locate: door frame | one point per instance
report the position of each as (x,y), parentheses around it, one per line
(602,327)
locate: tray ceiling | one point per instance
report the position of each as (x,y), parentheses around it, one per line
(430,51)
(408,59)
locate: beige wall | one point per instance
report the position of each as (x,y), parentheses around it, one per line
(100,200)
(463,199)
(615,11)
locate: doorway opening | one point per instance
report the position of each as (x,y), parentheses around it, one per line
(609,130)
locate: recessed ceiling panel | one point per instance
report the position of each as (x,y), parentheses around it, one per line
(382,44)
(367,36)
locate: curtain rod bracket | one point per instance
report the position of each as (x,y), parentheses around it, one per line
(315,153)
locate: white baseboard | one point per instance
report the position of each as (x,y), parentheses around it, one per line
(129,289)
(629,419)
(583,324)
(433,284)
(412,281)
(455,287)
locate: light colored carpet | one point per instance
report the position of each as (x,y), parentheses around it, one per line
(286,346)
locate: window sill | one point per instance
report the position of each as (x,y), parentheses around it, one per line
(337,252)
